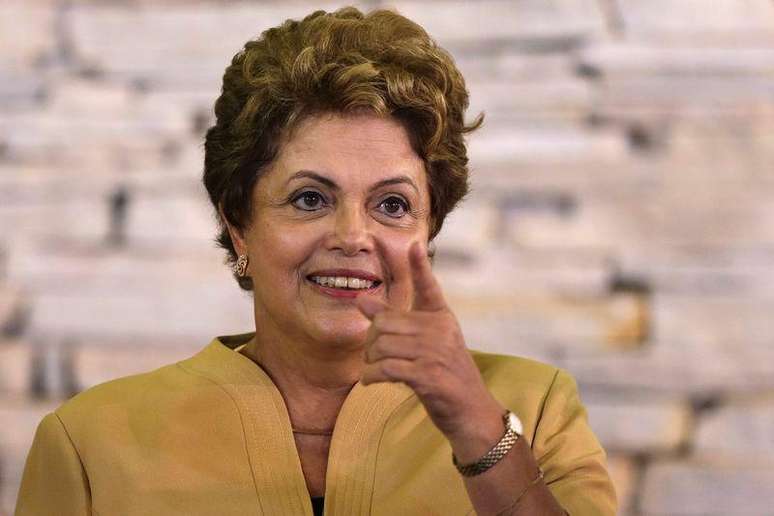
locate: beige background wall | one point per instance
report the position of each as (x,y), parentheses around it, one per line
(621,223)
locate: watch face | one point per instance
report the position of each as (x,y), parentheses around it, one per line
(514,423)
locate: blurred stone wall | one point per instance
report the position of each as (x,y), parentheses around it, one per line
(621,223)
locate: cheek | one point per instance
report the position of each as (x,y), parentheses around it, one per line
(282,251)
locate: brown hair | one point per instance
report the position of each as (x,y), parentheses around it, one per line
(336,62)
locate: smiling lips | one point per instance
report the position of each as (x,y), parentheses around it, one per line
(344,282)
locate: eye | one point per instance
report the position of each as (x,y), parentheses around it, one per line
(394,206)
(308,200)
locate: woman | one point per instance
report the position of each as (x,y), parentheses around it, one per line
(336,154)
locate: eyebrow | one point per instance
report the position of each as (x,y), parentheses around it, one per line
(332,184)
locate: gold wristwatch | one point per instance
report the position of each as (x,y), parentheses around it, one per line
(513,430)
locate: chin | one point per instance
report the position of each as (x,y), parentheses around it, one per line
(344,332)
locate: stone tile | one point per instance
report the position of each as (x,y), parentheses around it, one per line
(89,101)
(717,257)
(585,178)
(40,203)
(536,302)
(450,21)
(737,431)
(470,227)
(491,336)
(547,326)
(171,219)
(175,41)
(195,310)
(636,425)
(18,421)
(41,185)
(504,101)
(95,362)
(44,138)
(11,306)
(188,105)
(662,19)
(627,60)
(706,488)
(755,282)
(78,220)
(640,219)
(503,271)
(507,64)
(26,32)
(71,268)
(717,270)
(509,146)
(616,222)
(714,321)
(97,123)
(651,98)
(19,89)
(711,216)
(676,368)
(16,363)
(733,149)
(49,184)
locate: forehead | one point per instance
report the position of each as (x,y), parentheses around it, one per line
(348,148)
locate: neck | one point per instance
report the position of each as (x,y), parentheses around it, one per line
(313,378)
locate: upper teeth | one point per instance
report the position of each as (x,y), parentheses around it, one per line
(342,282)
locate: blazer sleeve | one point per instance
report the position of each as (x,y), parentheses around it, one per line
(568,452)
(54,480)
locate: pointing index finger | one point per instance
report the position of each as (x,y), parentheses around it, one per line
(427,291)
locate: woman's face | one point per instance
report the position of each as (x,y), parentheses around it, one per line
(333,218)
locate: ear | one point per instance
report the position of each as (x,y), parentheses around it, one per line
(240,246)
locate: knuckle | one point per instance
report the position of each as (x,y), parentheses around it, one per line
(379,347)
(384,321)
(392,369)
(388,367)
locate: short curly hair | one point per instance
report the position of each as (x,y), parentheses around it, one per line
(339,62)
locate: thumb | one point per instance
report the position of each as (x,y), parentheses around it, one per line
(369,306)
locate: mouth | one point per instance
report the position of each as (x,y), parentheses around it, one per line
(344,283)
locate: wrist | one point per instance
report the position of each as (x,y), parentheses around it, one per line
(477,434)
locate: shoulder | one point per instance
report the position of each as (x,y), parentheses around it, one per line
(117,391)
(497,369)
(147,389)
(134,412)
(128,398)
(526,386)
(495,363)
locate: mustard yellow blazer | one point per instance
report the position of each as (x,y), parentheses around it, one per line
(210,435)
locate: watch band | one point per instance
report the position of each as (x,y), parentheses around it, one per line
(498,451)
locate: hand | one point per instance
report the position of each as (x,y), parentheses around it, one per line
(424,348)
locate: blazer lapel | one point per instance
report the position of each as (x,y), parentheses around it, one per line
(274,461)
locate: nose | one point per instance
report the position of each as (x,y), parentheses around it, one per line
(351,234)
